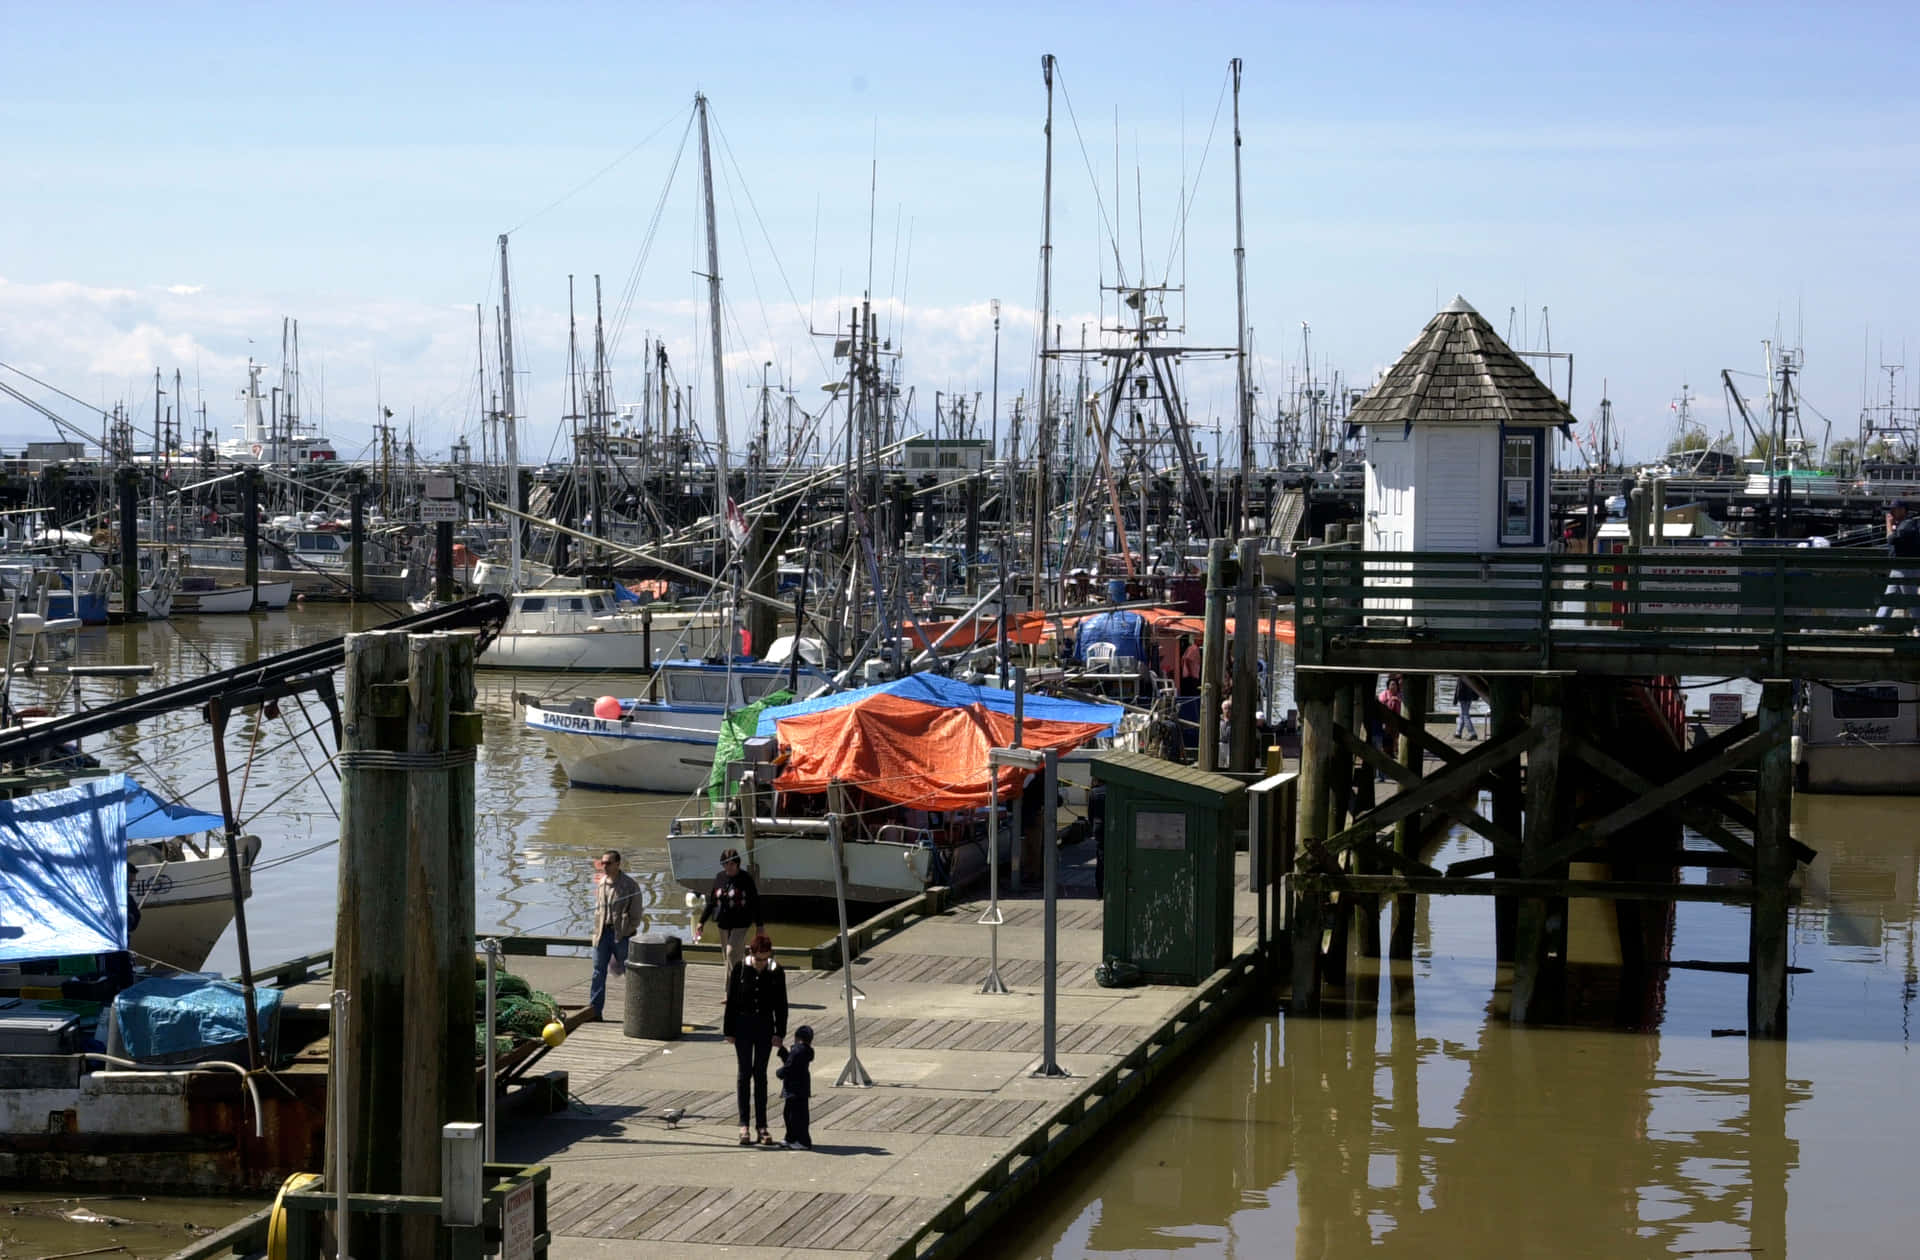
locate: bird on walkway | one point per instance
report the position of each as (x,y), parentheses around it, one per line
(672,1116)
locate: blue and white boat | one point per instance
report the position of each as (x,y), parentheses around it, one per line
(660,745)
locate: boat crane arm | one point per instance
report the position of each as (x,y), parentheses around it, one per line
(19,743)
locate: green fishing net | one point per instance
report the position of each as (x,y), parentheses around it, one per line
(520,1011)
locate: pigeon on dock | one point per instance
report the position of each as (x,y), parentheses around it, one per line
(672,1116)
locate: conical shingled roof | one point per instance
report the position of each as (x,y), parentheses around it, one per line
(1458,370)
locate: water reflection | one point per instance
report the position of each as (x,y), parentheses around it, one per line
(1421,1123)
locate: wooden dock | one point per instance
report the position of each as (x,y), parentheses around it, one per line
(953,1132)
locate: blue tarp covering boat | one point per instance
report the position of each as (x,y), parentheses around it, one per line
(63,871)
(175,1018)
(946,693)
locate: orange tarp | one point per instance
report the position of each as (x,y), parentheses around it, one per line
(912,753)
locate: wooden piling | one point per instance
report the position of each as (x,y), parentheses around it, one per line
(1314,691)
(129,479)
(1505,720)
(1539,947)
(1416,702)
(250,527)
(1213,654)
(1366,909)
(370,930)
(443,561)
(439,959)
(357,535)
(1246,639)
(1768,937)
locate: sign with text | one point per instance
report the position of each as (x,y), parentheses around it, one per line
(436,510)
(516,1224)
(439,487)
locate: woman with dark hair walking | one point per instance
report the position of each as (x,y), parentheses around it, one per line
(756,1022)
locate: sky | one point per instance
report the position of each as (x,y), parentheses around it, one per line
(1654,189)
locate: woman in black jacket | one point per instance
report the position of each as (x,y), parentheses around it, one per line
(756,1021)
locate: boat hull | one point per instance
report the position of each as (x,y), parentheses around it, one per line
(673,755)
(800,867)
(630,649)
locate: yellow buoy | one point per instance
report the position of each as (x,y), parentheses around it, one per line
(277,1223)
(553,1034)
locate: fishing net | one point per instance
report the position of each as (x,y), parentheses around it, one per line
(520,1011)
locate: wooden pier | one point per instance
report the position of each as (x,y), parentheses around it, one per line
(1587,759)
(954,1131)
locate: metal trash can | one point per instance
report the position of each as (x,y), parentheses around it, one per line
(656,987)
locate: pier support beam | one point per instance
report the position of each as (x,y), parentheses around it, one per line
(1505,720)
(1314,691)
(357,534)
(1773,859)
(129,479)
(1416,701)
(250,527)
(1540,945)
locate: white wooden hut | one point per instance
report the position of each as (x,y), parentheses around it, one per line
(1457,445)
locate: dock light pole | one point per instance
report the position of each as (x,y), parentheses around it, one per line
(992,916)
(1047,762)
(854,1073)
(342,1122)
(492,948)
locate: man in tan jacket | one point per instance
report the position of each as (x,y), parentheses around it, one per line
(616,917)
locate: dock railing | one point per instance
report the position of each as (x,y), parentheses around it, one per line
(1786,612)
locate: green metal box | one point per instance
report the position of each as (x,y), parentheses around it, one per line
(1168,866)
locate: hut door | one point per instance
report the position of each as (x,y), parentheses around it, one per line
(1161,920)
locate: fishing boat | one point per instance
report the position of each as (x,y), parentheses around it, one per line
(199,595)
(586,630)
(903,763)
(660,745)
(1860,738)
(180,879)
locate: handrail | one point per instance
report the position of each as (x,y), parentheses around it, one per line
(1760,602)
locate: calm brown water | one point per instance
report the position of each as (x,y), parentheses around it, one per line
(1422,1124)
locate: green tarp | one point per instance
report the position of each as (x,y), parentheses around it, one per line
(739,727)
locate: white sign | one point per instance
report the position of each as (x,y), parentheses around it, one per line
(516,1224)
(1690,576)
(1724,708)
(434,510)
(439,487)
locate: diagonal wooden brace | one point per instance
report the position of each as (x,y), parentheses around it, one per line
(1463,814)
(1465,773)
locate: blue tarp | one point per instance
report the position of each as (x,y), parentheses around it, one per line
(150,818)
(175,1016)
(1127,631)
(948,693)
(63,871)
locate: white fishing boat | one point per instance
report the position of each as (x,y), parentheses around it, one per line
(200,596)
(664,745)
(185,893)
(1861,738)
(585,630)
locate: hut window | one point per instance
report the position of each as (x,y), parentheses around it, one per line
(1516,488)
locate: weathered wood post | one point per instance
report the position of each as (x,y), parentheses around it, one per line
(1213,654)
(1366,906)
(1772,866)
(1314,691)
(1504,719)
(1535,936)
(1416,701)
(442,732)
(1246,641)
(443,561)
(370,931)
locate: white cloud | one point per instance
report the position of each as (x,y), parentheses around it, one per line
(185,290)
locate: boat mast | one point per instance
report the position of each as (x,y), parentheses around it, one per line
(713,313)
(1240,293)
(1046,304)
(507,415)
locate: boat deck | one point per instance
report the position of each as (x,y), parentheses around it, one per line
(954,1128)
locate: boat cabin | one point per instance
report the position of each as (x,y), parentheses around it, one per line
(551,612)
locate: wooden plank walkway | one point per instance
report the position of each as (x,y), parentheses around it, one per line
(953,1129)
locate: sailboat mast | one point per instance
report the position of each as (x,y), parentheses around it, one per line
(713,313)
(507,417)
(1046,306)
(1240,293)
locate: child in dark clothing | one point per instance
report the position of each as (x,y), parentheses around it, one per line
(796,1087)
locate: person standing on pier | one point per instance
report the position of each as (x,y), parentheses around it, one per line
(616,917)
(1463,702)
(734,905)
(1190,665)
(1903,544)
(755,1023)
(796,1089)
